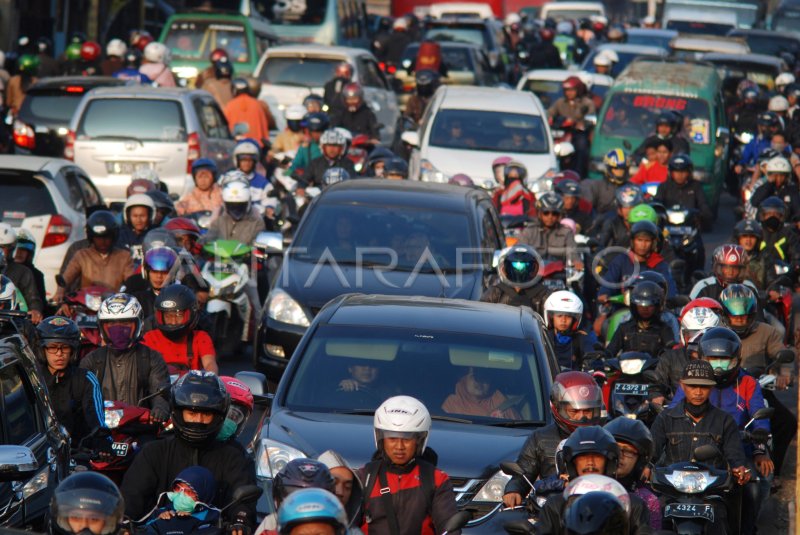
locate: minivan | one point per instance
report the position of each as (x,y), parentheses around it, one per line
(325,22)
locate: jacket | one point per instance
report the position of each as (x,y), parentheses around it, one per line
(572,349)
(245,230)
(316,171)
(504,294)
(753,149)
(558,242)
(649,173)
(689,195)
(537,458)
(158,463)
(514,200)
(306,153)
(788,192)
(621,267)
(614,232)
(415,107)
(332,90)
(131,240)
(246,109)
(782,246)
(159,73)
(200,201)
(761,346)
(88,267)
(16,88)
(601,193)
(553,510)
(361,121)
(77,400)
(574,110)
(669,370)
(632,335)
(38,278)
(23,279)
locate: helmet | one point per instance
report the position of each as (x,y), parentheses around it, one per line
(181,299)
(564,27)
(792,89)
(140,39)
(518,266)
(199,391)
(635,433)
(102,224)
(628,196)
(767,118)
(645,227)
(779,165)
(90,51)
(749,227)
(646,294)
(573,82)
(317,121)
(695,320)
(223,68)
(294,117)
(732,256)
(427,82)
(312,505)
(520,169)
(602,60)
(139,199)
(332,137)
(247,147)
(652,276)
(158,238)
(242,401)
(217,54)
(512,18)
(155,52)
(89,495)
(395,166)
(402,417)
(740,300)
(301,474)
(159,259)
(547,34)
(352,90)
(120,307)
(596,483)
(460,179)
(722,348)
(596,513)
(8,237)
(29,64)
(204,163)
(236,196)
(162,201)
(591,439)
(750,94)
(61,330)
(313,97)
(568,188)
(378,154)
(778,104)
(642,212)
(772,204)
(348,137)
(616,34)
(234,175)
(116,47)
(616,159)
(563,302)
(681,162)
(501,160)
(550,202)
(8,294)
(784,78)
(333,175)
(139,185)
(610,54)
(25,240)
(575,390)
(181,226)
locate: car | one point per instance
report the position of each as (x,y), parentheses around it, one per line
(696,21)
(546,83)
(49,197)
(694,46)
(650,36)
(786,18)
(43,120)
(421,347)
(405,238)
(290,73)
(35,450)
(771,43)
(491,122)
(486,34)
(742,14)
(733,68)
(559,11)
(117,130)
(461,9)
(626,54)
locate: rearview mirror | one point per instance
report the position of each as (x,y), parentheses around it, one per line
(255,381)
(410,138)
(247,492)
(270,242)
(764,413)
(17,463)
(706,453)
(785,356)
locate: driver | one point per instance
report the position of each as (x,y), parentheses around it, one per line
(477,395)
(547,235)
(206,194)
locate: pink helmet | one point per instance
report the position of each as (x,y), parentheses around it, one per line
(461,179)
(241,401)
(501,160)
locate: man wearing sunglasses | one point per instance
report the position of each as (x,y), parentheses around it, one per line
(547,235)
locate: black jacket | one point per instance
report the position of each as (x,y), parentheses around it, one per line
(23,279)
(318,166)
(669,370)
(504,294)
(783,245)
(653,338)
(550,518)
(332,91)
(361,121)
(77,400)
(614,232)
(544,55)
(689,195)
(38,278)
(537,457)
(788,193)
(158,463)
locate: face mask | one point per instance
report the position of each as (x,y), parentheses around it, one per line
(119,337)
(696,410)
(772,223)
(227,431)
(181,502)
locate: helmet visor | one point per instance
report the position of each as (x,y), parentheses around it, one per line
(88,508)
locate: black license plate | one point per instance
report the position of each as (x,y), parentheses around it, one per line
(628,389)
(690,510)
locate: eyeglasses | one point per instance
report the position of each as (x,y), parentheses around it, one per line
(628,454)
(54,350)
(551,213)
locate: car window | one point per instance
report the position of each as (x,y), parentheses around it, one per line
(548,91)
(387,362)
(301,72)
(18,406)
(23,196)
(280,12)
(634,115)
(489,130)
(144,119)
(368,71)
(212,121)
(90,193)
(76,199)
(490,239)
(475,35)
(49,107)
(195,39)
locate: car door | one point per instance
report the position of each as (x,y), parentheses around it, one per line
(378,96)
(219,141)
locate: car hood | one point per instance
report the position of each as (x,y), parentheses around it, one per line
(312,285)
(464,450)
(478,164)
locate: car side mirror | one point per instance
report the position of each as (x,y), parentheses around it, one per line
(410,138)
(17,463)
(785,356)
(590,119)
(255,381)
(240,129)
(269,242)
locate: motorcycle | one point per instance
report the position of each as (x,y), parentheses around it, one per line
(359,151)
(682,230)
(84,305)
(524,515)
(627,390)
(561,129)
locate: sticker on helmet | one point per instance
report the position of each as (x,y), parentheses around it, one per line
(583,391)
(169,304)
(59,321)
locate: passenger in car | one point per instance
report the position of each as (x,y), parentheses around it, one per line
(476,395)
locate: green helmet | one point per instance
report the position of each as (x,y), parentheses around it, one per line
(73,52)
(642,212)
(29,64)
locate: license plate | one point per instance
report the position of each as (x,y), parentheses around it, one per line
(627,389)
(87,321)
(124,168)
(120,448)
(690,510)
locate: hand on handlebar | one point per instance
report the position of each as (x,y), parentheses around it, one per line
(64,310)
(764,465)
(742,474)
(512,499)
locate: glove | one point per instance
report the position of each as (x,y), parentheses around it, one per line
(548,485)
(158,414)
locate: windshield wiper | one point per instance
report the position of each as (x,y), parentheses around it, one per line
(451,419)
(516,423)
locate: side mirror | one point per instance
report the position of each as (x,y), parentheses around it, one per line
(785,356)
(410,138)
(764,413)
(591,119)
(240,129)
(457,521)
(269,242)
(706,453)
(723,132)
(255,381)
(243,494)
(17,463)
(511,468)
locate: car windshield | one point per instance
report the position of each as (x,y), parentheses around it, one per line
(455,59)
(770,45)
(297,71)
(280,12)
(634,115)
(645,38)
(23,196)
(705,28)
(548,91)
(144,119)
(489,130)
(734,72)
(410,238)
(787,21)
(458,34)
(481,379)
(54,107)
(194,40)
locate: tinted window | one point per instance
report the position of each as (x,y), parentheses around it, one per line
(706,28)
(23,196)
(389,362)
(74,189)
(18,407)
(547,91)
(144,119)
(370,76)
(644,38)
(487,130)
(195,39)
(786,21)
(476,36)
(211,119)
(90,193)
(770,44)
(308,72)
(455,59)
(625,58)
(302,12)
(634,115)
(56,107)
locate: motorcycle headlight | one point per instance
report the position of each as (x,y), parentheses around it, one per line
(283,308)
(429,173)
(631,366)
(781,269)
(493,489)
(273,456)
(650,189)
(745,138)
(113,417)
(676,217)
(691,482)
(93,302)
(37,482)
(702,176)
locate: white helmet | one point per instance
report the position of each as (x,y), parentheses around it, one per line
(404,417)
(602,60)
(295,112)
(139,199)
(234,175)
(116,47)
(597,483)
(563,302)
(512,18)
(779,164)
(247,147)
(8,294)
(156,52)
(345,133)
(610,54)
(120,307)
(778,104)
(236,191)
(696,321)
(784,78)
(332,137)
(7,235)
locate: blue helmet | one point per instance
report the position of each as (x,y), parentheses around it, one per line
(311,505)
(204,163)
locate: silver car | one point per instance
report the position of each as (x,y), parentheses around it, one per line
(117,130)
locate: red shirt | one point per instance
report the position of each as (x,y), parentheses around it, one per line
(652,173)
(175,352)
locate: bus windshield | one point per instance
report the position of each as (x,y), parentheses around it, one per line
(295,12)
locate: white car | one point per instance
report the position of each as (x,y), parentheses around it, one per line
(559,11)
(465,128)
(546,83)
(48,197)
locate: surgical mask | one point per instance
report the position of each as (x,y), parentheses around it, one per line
(772,223)
(227,431)
(721,364)
(119,337)
(778,147)
(181,502)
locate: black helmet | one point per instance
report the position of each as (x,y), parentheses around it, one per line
(628,196)
(665,118)
(568,188)
(681,162)
(199,391)
(550,202)
(722,348)
(378,154)
(748,227)
(652,276)
(739,300)
(767,118)
(635,433)
(646,294)
(591,439)
(317,121)
(240,86)
(223,68)
(595,513)
(518,266)
(513,165)
(395,166)
(59,329)
(772,204)
(86,495)
(102,224)
(176,298)
(301,474)
(645,227)
(427,82)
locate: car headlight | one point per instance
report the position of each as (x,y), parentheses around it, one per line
(691,482)
(273,456)
(37,482)
(676,217)
(283,308)
(113,417)
(493,489)
(429,173)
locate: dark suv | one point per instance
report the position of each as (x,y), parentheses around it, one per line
(486,34)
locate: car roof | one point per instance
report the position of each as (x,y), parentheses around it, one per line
(655,32)
(680,78)
(428,313)
(138,90)
(412,193)
(32,164)
(55,82)
(708,43)
(559,75)
(311,49)
(744,32)
(569,6)
(762,59)
(488,99)
(627,48)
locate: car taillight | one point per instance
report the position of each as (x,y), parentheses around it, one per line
(69,145)
(194,151)
(58,231)
(24,136)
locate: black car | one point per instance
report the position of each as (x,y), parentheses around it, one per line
(423,347)
(35,452)
(43,120)
(378,236)
(483,33)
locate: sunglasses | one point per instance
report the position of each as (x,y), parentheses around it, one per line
(549,213)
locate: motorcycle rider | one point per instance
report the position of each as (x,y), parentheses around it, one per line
(156,268)
(186,234)
(354,114)
(332,143)
(615,228)
(654,171)
(127,369)
(20,275)
(745,114)
(312,511)
(546,234)
(748,234)
(220,85)
(245,108)
(86,503)
(199,405)
(645,331)
(575,208)
(681,189)
(342,75)
(668,125)
(574,106)
(242,403)
(138,215)
(779,184)
(602,193)
(206,194)
(563,313)
(780,241)
(290,139)
(347,485)
(395,169)
(314,124)
(513,198)
(768,123)
(427,82)
(402,426)
(209,72)
(543,54)
(246,155)
(575,401)
(23,255)
(518,271)
(239,220)
(130,69)
(165,208)
(17,86)
(155,64)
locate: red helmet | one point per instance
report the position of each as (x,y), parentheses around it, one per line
(180,226)
(90,51)
(141,40)
(547,34)
(575,390)
(353,90)
(344,70)
(241,401)
(217,54)
(701,302)
(573,82)
(733,256)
